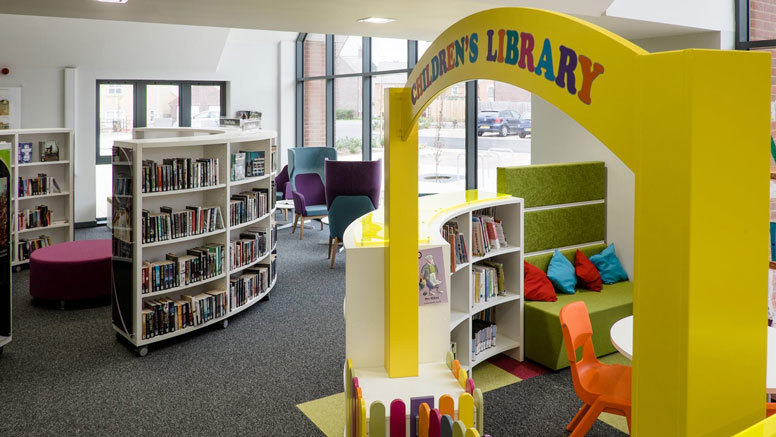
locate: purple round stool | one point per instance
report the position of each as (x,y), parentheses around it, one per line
(71,271)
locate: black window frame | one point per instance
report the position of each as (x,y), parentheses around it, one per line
(139,103)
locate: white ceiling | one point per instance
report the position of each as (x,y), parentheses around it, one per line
(423,19)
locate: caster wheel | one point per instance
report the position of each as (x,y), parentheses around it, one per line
(17,269)
(265,298)
(224,323)
(141,351)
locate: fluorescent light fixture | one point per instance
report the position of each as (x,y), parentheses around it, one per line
(113,1)
(376,20)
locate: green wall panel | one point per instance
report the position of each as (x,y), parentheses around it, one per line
(552,228)
(543,261)
(554,184)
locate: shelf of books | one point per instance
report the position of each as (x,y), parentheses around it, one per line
(193,231)
(486,286)
(42,200)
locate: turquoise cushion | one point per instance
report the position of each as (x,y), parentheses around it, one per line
(609,266)
(314,210)
(562,274)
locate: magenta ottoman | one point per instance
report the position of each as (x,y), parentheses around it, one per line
(71,271)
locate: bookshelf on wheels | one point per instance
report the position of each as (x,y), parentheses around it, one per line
(194,241)
(42,189)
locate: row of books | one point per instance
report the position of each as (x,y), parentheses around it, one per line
(249,285)
(247,164)
(198,264)
(34,218)
(483,335)
(165,315)
(253,244)
(487,281)
(459,254)
(38,186)
(122,185)
(179,174)
(168,224)
(249,205)
(25,247)
(487,234)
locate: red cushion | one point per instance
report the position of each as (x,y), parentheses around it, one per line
(587,274)
(537,286)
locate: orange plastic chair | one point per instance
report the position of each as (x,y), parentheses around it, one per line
(601,387)
(770,409)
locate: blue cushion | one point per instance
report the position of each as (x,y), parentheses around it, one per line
(562,274)
(609,266)
(313,210)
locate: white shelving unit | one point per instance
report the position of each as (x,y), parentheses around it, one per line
(157,144)
(509,307)
(60,204)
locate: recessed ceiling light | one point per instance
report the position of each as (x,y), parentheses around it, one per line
(113,1)
(376,20)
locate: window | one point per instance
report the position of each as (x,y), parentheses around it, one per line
(503,129)
(125,104)
(441,139)
(162,103)
(205,106)
(389,54)
(348,128)
(341,83)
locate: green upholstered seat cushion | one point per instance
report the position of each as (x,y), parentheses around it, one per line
(315,210)
(543,336)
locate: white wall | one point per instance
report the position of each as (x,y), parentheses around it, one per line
(556,137)
(247,59)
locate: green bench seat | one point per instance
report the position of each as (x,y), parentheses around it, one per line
(543,336)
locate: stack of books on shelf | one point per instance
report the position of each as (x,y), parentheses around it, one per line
(198,264)
(169,224)
(458,251)
(484,331)
(487,233)
(164,315)
(38,186)
(25,247)
(249,285)
(179,174)
(122,185)
(247,164)
(252,245)
(34,218)
(487,281)
(274,159)
(249,205)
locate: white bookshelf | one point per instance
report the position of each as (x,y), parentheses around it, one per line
(60,204)
(157,144)
(509,307)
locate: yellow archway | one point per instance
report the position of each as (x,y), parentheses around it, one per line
(692,126)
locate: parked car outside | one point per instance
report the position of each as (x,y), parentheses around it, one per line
(206,119)
(503,122)
(524,125)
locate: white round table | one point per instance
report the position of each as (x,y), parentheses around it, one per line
(622,339)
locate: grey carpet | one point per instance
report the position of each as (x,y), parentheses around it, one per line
(65,373)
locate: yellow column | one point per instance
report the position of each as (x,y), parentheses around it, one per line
(701,220)
(401,220)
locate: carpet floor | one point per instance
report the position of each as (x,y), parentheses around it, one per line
(66,374)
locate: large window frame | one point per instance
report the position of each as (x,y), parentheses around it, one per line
(366,75)
(139,104)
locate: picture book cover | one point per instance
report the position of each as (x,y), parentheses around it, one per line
(432,286)
(25,153)
(49,151)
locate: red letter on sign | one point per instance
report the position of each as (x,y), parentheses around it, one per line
(588,76)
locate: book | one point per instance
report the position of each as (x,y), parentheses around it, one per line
(49,151)
(238,166)
(25,153)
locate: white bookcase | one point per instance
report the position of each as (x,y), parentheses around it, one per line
(157,144)
(508,308)
(60,204)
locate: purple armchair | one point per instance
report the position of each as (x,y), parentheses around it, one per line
(309,200)
(352,190)
(283,188)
